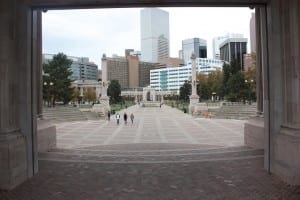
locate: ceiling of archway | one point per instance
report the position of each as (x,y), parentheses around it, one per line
(57,4)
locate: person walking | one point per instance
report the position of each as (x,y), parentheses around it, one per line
(108,115)
(118,118)
(131,117)
(125,118)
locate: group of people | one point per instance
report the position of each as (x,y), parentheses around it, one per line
(118,117)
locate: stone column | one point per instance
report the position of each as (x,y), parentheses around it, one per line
(285,143)
(104,100)
(259,75)
(194,98)
(254,132)
(13,158)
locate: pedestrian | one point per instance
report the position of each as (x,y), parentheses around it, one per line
(118,118)
(125,118)
(108,115)
(131,117)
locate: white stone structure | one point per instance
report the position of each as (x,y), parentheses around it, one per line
(85,84)
(194,98)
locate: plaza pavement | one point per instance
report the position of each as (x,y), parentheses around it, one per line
(151,125)
(99,160)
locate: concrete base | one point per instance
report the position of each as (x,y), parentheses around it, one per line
(194,99)
(254,133)
(286,162)
(13,160)
(104,100)
(101,109)
(46,133)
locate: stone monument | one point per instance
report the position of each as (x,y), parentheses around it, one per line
(104,106)
(194,98)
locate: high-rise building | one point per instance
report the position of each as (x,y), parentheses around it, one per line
(81,67)
(219,40)
(234,48)
(154,34)
(253,33)
(194,45)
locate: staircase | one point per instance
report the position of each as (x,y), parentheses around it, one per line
(150,153)
(67,113)
(238,111)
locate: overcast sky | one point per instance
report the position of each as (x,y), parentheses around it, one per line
(90,33)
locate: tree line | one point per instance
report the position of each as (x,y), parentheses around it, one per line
(231,84)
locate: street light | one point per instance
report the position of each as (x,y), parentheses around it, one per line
(50,84)
(249,93)
(213,96)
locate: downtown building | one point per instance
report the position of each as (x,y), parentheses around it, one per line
(234,48)
(154,34)
(129,71)
(217,41)
(253,33)
(81,67)
(194,45)
(171,79)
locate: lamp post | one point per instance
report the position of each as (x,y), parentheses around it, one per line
(48,92)
(213,96)
(249,93)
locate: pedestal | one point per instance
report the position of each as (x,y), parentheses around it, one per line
(13,160)
(104,100)
(286,162)
(46,134)
(194,99)
(254,133)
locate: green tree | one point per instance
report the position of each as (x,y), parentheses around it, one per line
(214,82)
(185,91)
(237,88)
(234,87)
(114,91)
(202,87)
(58,70)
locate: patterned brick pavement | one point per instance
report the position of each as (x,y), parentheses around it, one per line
(232,180)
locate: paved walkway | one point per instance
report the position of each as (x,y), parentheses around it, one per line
(151,125)
(190,165)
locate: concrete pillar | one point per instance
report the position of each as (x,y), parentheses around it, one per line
(194,98)
(194,80)
(104,76)
(104,100)
(254,131)
(37,45)
(13,158)
(259,75)
(284,105)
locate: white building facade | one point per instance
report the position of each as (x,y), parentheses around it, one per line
(154,34)
(171,79)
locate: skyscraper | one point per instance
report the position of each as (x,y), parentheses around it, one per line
(219,40)
(196,45)
(252,33)
(234,48)
(154,34)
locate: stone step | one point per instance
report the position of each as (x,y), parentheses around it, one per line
(162,156)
